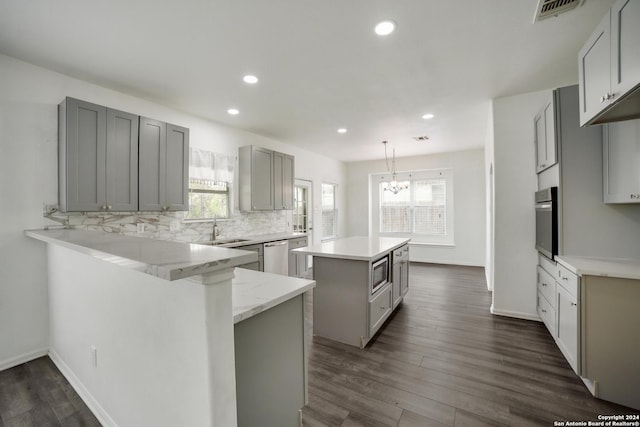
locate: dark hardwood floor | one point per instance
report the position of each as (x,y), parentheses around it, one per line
(441,360)
(35,394)
(444,360)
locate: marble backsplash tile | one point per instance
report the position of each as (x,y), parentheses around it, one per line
(159,225)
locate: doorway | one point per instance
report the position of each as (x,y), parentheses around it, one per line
(303,215)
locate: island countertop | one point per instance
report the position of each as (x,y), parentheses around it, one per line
(254,291)
(161,258)
(356,248)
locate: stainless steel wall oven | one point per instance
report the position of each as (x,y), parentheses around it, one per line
(547,221)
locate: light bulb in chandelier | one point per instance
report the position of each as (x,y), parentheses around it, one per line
(393,186)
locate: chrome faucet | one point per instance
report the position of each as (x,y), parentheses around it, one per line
(215,232)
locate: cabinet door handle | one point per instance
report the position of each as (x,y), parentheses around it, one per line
(103,207)
(382,307)
(565,278)
(109,207)
(543,310)
(573,304)
(635,196)
(602,99)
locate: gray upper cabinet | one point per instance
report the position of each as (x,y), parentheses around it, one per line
(621,156)
(283,172)
(625,54)
(256,179)
(164,166)
(122,161)
(98,164)
(609,67)
(545,135)
(266,179)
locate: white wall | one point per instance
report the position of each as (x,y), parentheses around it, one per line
(149,334)
(29,96)
(469,203)
(515,256)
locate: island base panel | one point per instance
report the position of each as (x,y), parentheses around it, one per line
(270,366)
(610,338)
(340,300)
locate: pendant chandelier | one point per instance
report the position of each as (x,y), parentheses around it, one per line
(393,186)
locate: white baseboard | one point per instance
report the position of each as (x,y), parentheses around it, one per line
(447,262)
(82,391)
(23,358)
(515,314)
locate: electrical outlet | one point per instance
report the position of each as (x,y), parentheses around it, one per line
(174,226)
(140,227)
(94,356)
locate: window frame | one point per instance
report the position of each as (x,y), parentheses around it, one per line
(226,192)
(334,235)
(375,219)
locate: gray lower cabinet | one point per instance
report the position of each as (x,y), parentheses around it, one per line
(298,264)
(621,162)
(256,265)
(164,166)
(400,274)
(568,317)
(98,158)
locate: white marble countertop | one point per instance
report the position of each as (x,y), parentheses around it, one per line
(254,292)
(584,266)
(255,239)
(161,258)
(357,248)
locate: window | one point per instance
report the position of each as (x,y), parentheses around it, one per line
(208,199)
(210,177)
(423,211)
(329,212)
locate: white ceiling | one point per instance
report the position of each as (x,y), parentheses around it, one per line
(321,67)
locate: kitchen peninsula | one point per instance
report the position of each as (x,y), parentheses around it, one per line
(357,290)
(144,329)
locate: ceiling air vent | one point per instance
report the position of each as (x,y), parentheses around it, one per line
(421,138)
(548,8)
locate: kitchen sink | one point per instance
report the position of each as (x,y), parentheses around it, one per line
(223,242)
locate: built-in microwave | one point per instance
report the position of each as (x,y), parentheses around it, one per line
(547,221)
(379,274)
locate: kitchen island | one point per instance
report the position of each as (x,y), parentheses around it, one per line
(356,288)
(144,329)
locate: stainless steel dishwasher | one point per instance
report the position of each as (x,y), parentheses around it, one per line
(276,257)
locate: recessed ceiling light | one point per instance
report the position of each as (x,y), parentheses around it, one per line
(233,111)
(385,28)
(250,79)
(342,130)
(428,116)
